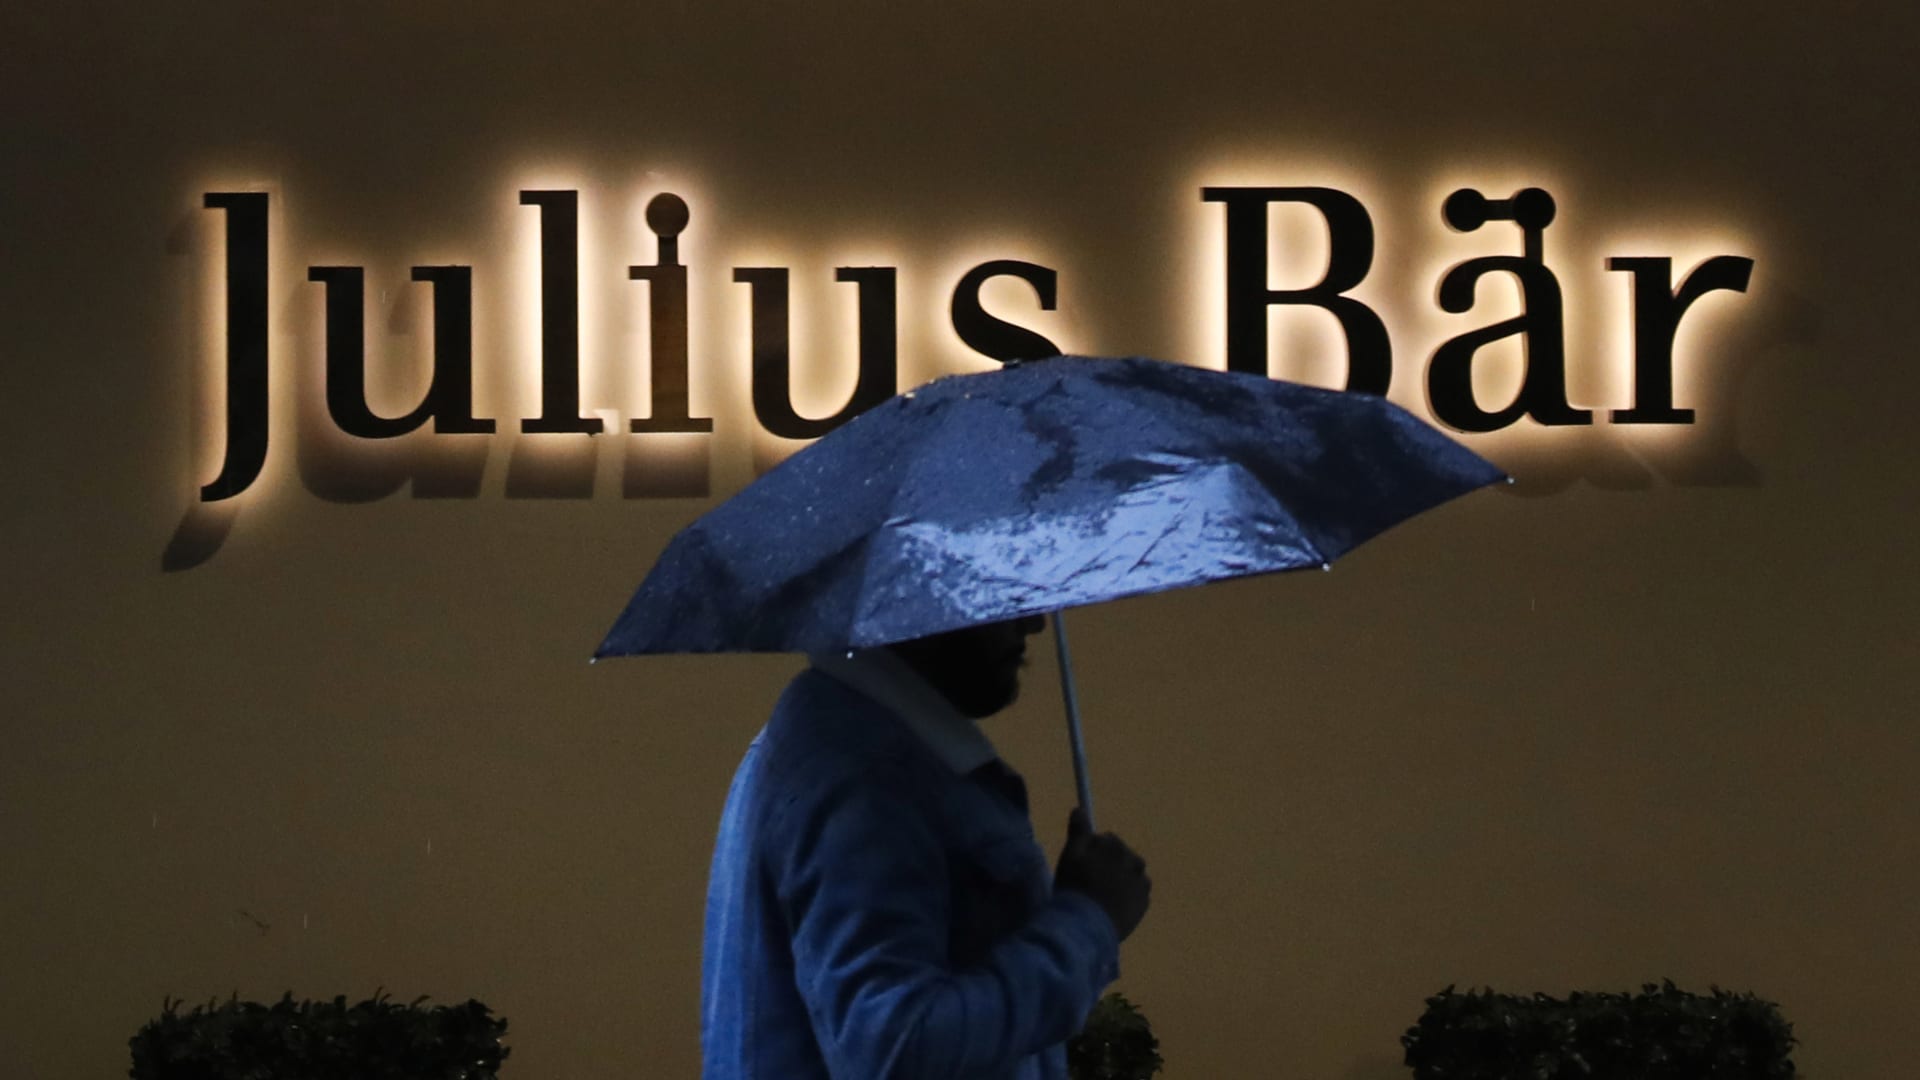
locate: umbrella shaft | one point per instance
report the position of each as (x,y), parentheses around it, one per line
(1073,716)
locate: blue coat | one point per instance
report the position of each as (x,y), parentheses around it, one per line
(874,915)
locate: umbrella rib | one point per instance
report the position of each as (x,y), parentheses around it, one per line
(1165,532)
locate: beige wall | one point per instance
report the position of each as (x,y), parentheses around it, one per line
(1648,714)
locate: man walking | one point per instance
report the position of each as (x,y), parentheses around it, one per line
(879,908)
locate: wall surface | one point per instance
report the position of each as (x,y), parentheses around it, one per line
(1648,713)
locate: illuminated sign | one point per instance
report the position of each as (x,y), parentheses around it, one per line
(1247,299)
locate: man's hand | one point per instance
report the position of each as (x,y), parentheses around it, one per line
(1106,869)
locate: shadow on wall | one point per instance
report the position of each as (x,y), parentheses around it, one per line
(339,468)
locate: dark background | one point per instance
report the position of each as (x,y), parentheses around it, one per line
(1647,714)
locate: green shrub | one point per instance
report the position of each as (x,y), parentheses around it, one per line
(374,1040)
(1663,1033)
(1116,1044)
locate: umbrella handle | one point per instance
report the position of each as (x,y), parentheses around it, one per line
(1073,716)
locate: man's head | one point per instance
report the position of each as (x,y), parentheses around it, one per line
(977,668)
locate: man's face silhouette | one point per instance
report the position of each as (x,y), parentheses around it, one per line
(977,668)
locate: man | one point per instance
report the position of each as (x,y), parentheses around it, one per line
(879,908)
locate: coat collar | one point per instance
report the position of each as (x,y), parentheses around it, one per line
(881,675)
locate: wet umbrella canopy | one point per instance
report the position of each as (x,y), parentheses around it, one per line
(1034,488)
(1038,487)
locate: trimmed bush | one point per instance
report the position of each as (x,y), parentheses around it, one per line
(374,1040)
(1116,1044)
(1662,1033)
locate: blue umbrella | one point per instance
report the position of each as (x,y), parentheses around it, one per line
(1031,489)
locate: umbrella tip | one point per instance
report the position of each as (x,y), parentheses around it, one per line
(1326,566)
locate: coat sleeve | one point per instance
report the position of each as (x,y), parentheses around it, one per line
(862,884)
